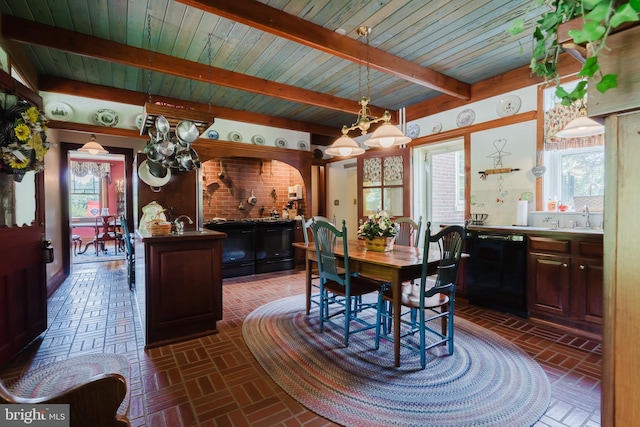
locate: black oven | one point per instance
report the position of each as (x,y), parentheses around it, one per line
(274,250)
(496,271)
(255,246)
(238,249)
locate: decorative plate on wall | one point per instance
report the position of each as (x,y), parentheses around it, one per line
(465,118)
(58,111)
(302,145)
(508,106)
(138,121)
(213,134)
(281,142)
(235,136)
(258,139)
(436,128)
(106,117)
(413,130)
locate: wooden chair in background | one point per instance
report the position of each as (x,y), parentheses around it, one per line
(106,230)
(409,231)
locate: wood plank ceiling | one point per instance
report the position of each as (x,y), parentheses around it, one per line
(276,62)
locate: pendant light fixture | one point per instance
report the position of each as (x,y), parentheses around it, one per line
(582,126)
(386,135)
(93,147)
(344,146)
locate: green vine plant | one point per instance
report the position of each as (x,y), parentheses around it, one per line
(599,17)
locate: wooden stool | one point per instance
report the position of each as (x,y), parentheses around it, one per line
(77,243)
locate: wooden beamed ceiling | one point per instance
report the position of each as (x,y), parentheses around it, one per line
(25,31)
(251,13)
(281,24)
(268,19)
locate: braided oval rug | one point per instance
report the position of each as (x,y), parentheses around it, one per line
(488,381)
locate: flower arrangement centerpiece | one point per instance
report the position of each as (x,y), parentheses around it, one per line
(379,232)
(23,139)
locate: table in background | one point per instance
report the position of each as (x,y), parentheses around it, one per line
(400,265)
(89,223)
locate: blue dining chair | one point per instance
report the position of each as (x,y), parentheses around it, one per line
(340,288)
(314,295)
(129,249)
(433,299)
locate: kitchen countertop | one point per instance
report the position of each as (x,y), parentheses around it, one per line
(186,235)
(536,230)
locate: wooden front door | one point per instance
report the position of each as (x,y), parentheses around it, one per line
(23,290)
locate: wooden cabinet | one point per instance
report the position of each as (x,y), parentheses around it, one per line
(565,284)
(182,282)
(588,282)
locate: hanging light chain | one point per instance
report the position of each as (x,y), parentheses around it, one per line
(149,54)
(368,68)
(210,74)
(363,32)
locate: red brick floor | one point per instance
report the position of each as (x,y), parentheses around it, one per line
(215,381)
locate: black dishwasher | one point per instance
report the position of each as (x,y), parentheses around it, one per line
(496,271)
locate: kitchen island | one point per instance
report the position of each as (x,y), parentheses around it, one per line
(180,276)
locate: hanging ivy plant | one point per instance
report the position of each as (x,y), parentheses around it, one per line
(599,17)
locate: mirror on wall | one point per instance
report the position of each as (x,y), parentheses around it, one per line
(17,200)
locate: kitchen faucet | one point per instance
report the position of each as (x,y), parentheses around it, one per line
(585,213)
(180,224)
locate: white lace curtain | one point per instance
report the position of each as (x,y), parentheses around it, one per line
(99,170)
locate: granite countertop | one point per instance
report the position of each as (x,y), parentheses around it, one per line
(537,230)
(186,235)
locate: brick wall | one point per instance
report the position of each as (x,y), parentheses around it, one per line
(268,179)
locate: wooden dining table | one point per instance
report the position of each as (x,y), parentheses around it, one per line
(397,266)
(90,223)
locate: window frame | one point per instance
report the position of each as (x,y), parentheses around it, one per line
(404,153)
(96,180)
(553,182)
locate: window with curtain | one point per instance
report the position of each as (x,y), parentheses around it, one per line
(87,186)
(575,166)
(383,176)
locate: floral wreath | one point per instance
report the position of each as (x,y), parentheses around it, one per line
(23,139)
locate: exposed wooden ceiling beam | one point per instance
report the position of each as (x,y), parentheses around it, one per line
(281,24)
(29,32)
(88,90)
(494,86)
